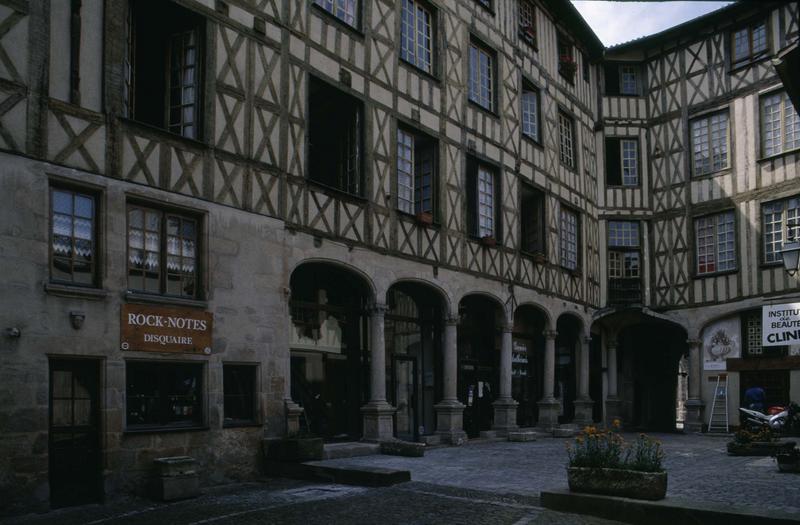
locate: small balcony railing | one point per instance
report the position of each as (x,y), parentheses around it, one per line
(624,292)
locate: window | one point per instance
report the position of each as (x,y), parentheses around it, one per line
(239,389)
(566,143)
(416,35)
(628,81)
(416,172)
(530,112)
(73,237)
(481,76)
(623,250)
(485,3)
(780,219)
(715,241)
(780,124)
(162,252)
(162,72)
(752,338)
(566,60)
(164,395)
(483,214)
(622,79)
(527,21)
(710,143)
(568,239)
(335,137)
(622,162)
(748,43)
(344,10)
(586,66)
(532,219)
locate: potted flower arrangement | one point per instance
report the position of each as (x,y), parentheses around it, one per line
(761,443)
(489,240)
(601,462)
(424,218)
(567,66)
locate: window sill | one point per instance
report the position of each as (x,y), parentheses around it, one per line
(73,291)
(164,133)
(711,174)
(241,424)
(747,62)
(699,276)
(163,430)
(532,140)
(538,256)
(486,8)
(573,169)
(140,297)
(436,224)
(490,112)
(338,21)
(623,186)
(775,156)
(418,70)
(336,192)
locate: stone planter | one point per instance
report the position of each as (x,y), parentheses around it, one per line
(789,462)
(176,478)
(759,448)
(618,482)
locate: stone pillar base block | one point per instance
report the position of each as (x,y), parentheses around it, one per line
(583,412)
(378,421)
(293,413)
(450,422)
(694,415)
(613,411)
(548,414)
(505,416)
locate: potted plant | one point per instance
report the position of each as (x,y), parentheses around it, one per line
(528,33)
(761,443)
(539,258)
(600,462)
(424,218)
(488,240)
(567,66)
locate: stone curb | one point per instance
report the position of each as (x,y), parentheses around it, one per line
(346,475)
(665,512)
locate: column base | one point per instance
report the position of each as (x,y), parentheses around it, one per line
(548,414)
(583,412)
(378,420)
(505,416)
(694,415)
(613,412)
(450,422)
(293,413)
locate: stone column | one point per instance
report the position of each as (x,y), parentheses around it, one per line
(450,411)
(694,405)
(548,405)
(583,404)
(505,408)
(377,413)
(612,411)
(293,411)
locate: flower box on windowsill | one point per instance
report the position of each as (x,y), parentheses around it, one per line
(567,66)
(539,258)
(528,34)
(424,218)
(489,241)
(575,273)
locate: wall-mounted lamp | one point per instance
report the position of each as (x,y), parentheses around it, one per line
(791,250)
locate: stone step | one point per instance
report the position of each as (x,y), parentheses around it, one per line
(523,435)
(431,440)
(341,473)
(565,431)
(349,450)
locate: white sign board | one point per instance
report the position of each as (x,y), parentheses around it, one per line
(780,324)
(721,341)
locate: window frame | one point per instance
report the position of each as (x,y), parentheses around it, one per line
(573,166)
(540,198)
(415,134)
(708,116)
(564,42)
(782,123)
(480,47)
(637,81)
(160,366)
(199,249)
(96,195)
(528,32)
(473,166)
(433,37)
(252,368)
(565,209)
(715,217)
(751,56)
(356,25)
(625,249)
(528,87)
(778,260)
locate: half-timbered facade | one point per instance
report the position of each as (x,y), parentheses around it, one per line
(230,221)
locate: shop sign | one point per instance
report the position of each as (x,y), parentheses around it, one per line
(165,329)
(780,324)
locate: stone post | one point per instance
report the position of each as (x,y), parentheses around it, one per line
(505,408)
(450,411)
(377,413)
(583,404)
(613,403)
(694,405)
(292,410)
(548,405)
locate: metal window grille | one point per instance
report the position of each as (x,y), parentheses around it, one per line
(568,237)
(481,81)
(630,161)
(405,171)
(416,35)
(344,10)
(530,114)
(754,335)
(183,84)
(710,143)
(566,150)
(72,237)
(485,202)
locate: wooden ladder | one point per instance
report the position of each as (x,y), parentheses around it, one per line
(718,421)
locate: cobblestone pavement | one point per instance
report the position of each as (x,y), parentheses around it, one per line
(698,466)
(294,502)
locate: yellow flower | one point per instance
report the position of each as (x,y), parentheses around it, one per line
(616,423)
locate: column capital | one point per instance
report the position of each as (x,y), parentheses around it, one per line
(587,338)
(451,320)
(508,327)
(694,342)
(377,309)
(612,342)
(550,334)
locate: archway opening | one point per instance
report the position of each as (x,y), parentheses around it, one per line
(413,334)
(527,363)
(329,351)
(569,330)
(479,339)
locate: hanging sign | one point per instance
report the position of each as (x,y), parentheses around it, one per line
(165,329)
(780,324)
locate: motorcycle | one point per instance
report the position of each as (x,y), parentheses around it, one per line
(778,418)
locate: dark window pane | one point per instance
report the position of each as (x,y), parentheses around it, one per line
(164,394)
(239,392)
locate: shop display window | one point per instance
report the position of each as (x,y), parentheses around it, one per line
(163,395)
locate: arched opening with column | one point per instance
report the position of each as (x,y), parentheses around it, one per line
(481,319)
(568,366)
(527,362)
(413,334)
(328,341)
